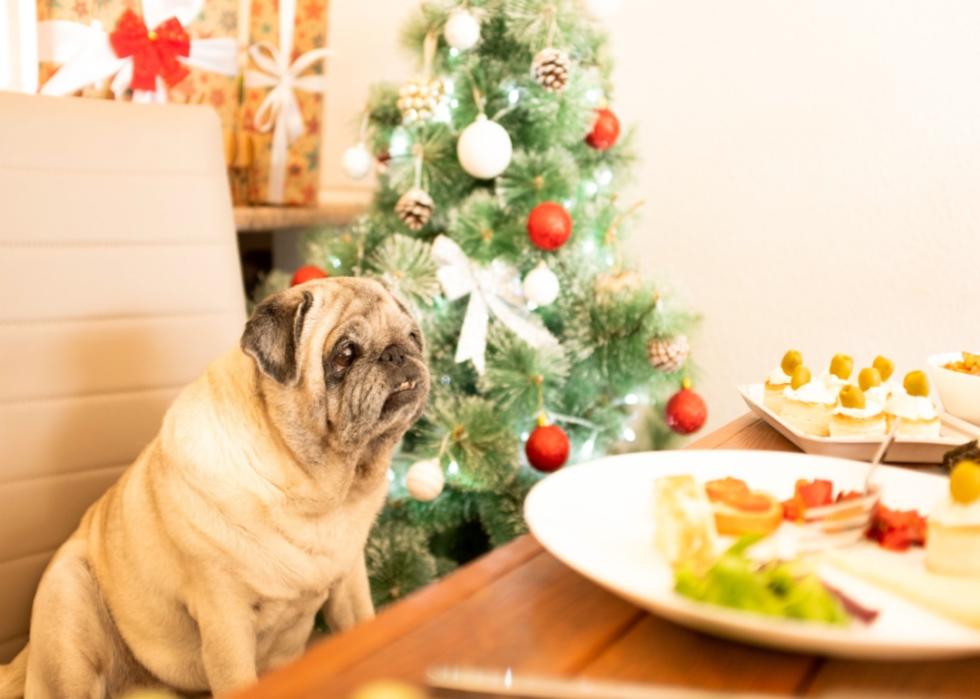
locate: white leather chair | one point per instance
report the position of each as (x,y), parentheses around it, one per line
(119,282)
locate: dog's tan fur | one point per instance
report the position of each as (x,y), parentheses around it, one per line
(204,565)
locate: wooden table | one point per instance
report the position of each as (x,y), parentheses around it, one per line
(519,607)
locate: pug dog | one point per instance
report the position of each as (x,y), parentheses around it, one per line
(205,564)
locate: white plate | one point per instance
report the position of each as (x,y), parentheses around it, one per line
(905,450)
(598,519)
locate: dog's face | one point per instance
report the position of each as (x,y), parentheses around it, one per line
(341,365)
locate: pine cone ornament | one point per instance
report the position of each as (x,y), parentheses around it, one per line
(550,69)
(414,208)
(419,99)
(668,353)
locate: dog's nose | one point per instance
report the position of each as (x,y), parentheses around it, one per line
(394,355)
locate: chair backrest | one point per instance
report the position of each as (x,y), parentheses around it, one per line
(119,282)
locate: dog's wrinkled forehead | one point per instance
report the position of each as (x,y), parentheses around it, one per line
(367,314)
(320,312)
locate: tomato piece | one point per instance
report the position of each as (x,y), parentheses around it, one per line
(724,489)
(845,495)
(793,510)
(815,493)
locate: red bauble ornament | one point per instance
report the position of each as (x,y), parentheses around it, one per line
(306,273)
(605,130)
(547,448)
(686,411)
(549,225)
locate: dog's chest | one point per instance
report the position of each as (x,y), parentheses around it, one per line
(300,556)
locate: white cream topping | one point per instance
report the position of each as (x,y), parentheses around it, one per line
(870,409)
(901,404)
(812,392)
(778,377)
(878,394)
(833,382)
(954,514)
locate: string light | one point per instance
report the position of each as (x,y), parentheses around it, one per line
(593,95)
(399,143)
(513,96)
(631,399)
(448,85)
(629,435)
(452,469)
(604,176)
(591,188)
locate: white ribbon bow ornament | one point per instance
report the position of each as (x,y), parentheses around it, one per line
(494,288)
(280,111)
(87,56)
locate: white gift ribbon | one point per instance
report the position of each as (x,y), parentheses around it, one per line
(87,58)
(279,112)
(494,288)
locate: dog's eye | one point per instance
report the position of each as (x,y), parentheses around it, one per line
(344,357)
(416,338)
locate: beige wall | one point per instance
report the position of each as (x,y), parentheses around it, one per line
(812,168)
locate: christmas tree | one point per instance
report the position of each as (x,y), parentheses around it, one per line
(497,218)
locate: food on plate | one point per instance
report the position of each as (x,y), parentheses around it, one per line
(912,408)
(779,379)
(897,530)
(815,493)
(841,367)
(970,450)
(855,416)
(885,367)
(782,589)
(969,364)
(869,381)
(740,510)
(953,545)
(684,524)
(957,598)
(807,404)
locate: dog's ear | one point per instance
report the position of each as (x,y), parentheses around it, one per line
(273,333)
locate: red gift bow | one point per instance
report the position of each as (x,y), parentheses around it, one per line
(154,52)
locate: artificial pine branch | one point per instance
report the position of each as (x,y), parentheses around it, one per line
(479,446)
(406,265)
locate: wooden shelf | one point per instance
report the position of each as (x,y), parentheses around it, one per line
(253,219)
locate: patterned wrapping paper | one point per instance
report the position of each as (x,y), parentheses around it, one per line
(219,18)
(303,155)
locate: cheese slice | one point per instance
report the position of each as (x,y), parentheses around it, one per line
(956,598)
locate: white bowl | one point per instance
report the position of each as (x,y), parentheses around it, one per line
(959,392)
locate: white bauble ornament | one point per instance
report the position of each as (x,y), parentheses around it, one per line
(541,286)
(462,30)
(484,148)
(425,480)
(357,161)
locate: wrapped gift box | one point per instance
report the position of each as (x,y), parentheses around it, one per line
(286,42)
(76,42)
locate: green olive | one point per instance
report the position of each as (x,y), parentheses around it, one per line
(868,377)
(885,367)
(791,360)
(852,397)
(801,376)
(841,366)
(916,383)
